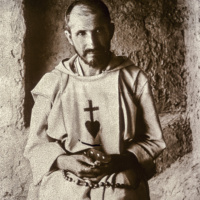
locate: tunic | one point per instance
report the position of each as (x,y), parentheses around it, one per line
(72,113)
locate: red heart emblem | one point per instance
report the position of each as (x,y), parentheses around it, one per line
(92,127)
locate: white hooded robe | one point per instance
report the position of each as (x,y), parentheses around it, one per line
(114,109)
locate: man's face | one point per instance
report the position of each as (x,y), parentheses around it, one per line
(90,35)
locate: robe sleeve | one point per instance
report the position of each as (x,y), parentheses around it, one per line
(148,142)
(41,150)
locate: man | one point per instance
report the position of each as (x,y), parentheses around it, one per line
(94,130)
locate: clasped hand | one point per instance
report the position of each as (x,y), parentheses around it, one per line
(86,168)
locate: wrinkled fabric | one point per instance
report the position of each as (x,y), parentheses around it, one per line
(55,187)
(124,112)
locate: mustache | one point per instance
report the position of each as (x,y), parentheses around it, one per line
(96,50)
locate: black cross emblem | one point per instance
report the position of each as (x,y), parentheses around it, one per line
(92,126)
(91,109)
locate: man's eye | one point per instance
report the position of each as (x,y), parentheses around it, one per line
(99,30)
(81,33)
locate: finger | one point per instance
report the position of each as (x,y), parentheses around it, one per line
(88,176)
(87,160)
(97,163)
(95,179)
(89,172)
(104,168)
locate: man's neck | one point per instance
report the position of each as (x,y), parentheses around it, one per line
(91,71)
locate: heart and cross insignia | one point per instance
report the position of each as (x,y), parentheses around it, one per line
(92,126)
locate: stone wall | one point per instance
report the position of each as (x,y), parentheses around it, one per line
(182,179)
(151,33)
(14,172)
(192,65)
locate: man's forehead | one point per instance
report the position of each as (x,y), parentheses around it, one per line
(83,10)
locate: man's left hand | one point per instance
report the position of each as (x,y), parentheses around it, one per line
(118,163)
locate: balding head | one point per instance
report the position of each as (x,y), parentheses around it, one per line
(90,7)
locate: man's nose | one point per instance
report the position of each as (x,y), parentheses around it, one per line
(92,40)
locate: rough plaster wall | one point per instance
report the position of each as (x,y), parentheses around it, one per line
(179,182)
(14,171)
(151,33)
(182,179)
(192,65)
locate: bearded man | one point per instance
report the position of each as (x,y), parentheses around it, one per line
(94,129)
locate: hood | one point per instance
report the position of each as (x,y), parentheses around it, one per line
(116,63)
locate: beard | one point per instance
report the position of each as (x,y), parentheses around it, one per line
(95,57)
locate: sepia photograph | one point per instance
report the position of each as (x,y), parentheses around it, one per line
(100,100)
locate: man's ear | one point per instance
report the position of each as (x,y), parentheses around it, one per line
(69,37)
(112,29)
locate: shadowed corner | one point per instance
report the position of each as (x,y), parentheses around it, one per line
(44,23)
(35,46)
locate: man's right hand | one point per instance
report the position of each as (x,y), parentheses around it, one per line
(80,165)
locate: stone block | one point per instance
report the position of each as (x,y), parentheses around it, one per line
(180,181)
(178,137)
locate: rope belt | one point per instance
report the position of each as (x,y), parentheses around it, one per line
(96,185)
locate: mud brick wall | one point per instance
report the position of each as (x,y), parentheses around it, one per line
(14,171)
